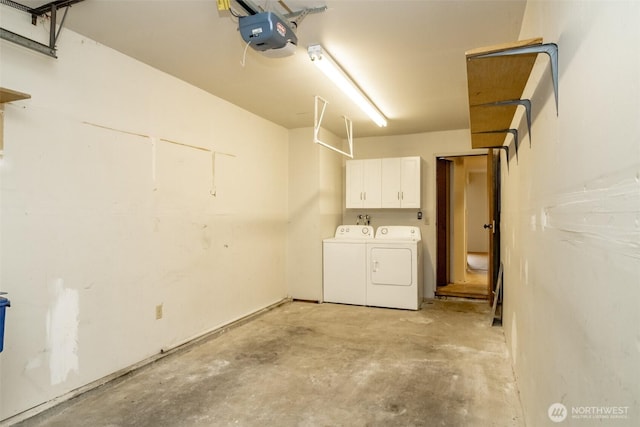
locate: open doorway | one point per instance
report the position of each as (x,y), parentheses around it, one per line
(463,231)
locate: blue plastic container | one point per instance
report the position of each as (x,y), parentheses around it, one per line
(4,303)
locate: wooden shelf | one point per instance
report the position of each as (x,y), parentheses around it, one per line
(8,95)
(495,79)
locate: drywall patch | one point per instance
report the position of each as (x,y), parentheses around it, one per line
(62,331)
(543,219)
(603,213)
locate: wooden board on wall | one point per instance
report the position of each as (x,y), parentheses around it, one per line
(8,95)
(495,79)
(488,140)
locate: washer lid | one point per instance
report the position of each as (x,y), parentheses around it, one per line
(354,232)
(398,232)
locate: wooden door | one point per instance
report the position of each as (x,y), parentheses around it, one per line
(443,190)
(493,194)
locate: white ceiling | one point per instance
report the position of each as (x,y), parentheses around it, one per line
(407,55)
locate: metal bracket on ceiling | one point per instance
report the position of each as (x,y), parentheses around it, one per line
(295,17)
(317,122)
(52,9)
(513,132)
(551,49)
(526,103)
(249,7)
(28,43)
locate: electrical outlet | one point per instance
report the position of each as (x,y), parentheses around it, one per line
(158,312)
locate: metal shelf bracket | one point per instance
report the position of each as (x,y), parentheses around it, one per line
(526,103)
(551,49)
(513,132)
(506,153)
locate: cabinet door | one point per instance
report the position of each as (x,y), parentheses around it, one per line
(354,184)
(410,182)
(371,183)
(391,189)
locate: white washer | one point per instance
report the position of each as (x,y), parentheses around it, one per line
(394,276)
(344,264)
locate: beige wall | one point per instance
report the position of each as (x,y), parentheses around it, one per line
(428,146)
(458,213)
(101,225)
(315,209)
(477,206)
(571,203)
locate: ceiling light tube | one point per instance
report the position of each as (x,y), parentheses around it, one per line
(329,67)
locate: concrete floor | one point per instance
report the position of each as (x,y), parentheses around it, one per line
(306,364)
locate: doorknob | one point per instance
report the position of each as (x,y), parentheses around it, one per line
(489,226)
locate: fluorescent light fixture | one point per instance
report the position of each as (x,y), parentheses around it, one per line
(329,67)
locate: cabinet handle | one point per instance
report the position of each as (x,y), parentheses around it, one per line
(398,195)
(402,195)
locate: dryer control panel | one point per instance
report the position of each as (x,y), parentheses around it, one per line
(398,232)
(354,232)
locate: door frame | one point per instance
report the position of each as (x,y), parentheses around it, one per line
(494,252)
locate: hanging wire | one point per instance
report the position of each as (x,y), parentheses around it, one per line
(244,55)
(234,13)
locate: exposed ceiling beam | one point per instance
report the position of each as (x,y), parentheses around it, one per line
(59,4)
(52,8)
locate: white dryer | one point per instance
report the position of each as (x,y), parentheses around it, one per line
(344,264)
(394,275)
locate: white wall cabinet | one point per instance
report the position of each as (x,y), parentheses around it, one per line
(384,183)
(363,183)
(410,182)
